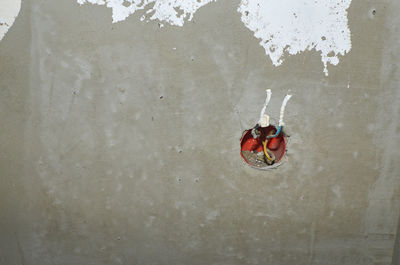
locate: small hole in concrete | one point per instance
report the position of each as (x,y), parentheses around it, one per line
(323,38)
(373,12)
(161,97)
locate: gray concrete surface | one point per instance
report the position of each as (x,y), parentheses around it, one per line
(396,249)
(96,168)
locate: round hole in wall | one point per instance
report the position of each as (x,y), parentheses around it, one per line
(252,147)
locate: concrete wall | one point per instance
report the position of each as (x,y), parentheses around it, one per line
(116,148)
(396,249)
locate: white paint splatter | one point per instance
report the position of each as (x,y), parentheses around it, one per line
(174,12)
(9,10)
(295,26)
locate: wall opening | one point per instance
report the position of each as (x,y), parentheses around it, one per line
(264,145)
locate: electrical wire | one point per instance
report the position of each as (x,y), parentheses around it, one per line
(266,151)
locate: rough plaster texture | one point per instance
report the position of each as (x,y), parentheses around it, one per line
(116,148)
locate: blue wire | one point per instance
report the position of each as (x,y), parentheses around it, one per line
(276,134)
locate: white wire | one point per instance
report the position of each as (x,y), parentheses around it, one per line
(269,94)
(285,100)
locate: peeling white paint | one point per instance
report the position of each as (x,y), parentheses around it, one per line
(9,10)
(174,12)
(295,26)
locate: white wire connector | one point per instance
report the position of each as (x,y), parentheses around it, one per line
(285,100)
(264,118)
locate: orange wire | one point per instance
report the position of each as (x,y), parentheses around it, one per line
(265,151)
